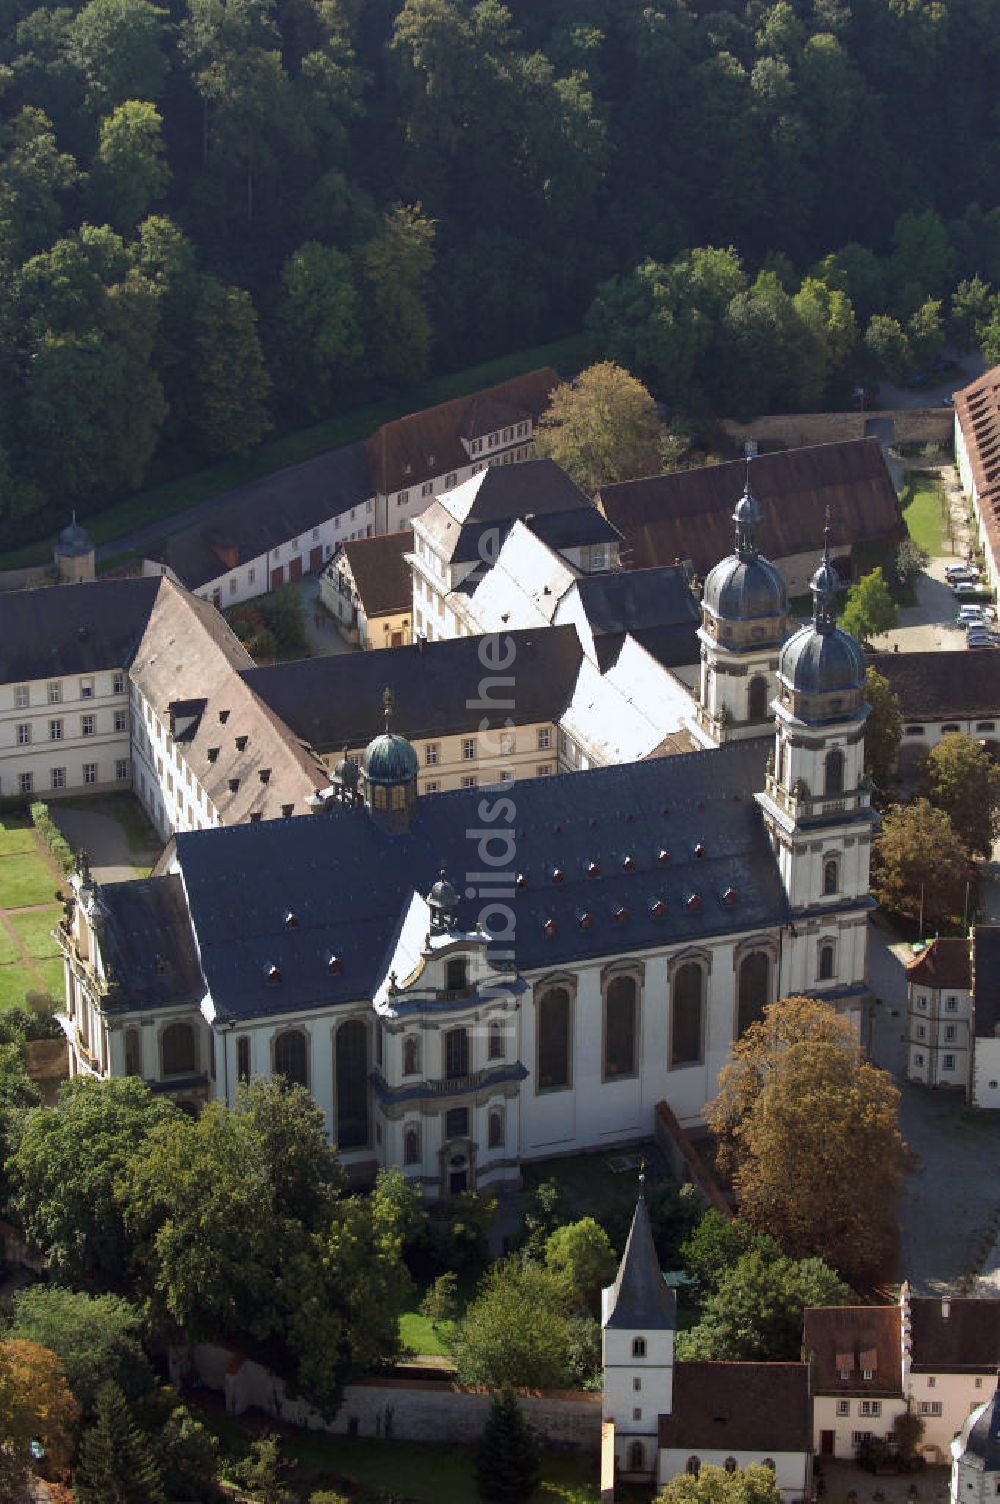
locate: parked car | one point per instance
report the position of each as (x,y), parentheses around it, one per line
(981,640)
(963,577)
(967,587)
(969,612)
(961,566)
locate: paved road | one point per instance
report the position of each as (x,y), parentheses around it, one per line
(111,858)
(951,1206)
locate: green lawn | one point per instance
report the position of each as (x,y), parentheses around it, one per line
(34,930)
(420,1335)
(8,947)
(421,1472)
(53,975)
(924,516)
(26,879)
(156,502)
(17,834)
(15,983)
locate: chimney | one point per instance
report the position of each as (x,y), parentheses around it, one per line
(421,642)
(945,1308)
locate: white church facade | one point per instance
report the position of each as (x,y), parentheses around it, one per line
(595,943)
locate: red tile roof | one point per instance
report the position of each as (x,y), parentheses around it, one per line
(688,515)
(836,1338)
(429,443)
(945,963)
(739,1407)
(977,408)
(380,572)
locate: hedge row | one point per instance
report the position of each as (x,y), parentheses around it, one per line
(52,836)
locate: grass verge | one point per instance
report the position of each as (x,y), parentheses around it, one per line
(924,505)
(176,495)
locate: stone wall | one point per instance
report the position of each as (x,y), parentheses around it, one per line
(913,425)
(684,1159)
(27,579)
(403,1409)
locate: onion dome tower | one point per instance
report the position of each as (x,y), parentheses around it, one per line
(816,802)
(975,1452)
(744,611)
(388,775)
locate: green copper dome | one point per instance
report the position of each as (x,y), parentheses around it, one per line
(389,759)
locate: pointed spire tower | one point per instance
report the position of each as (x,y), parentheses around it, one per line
(639,1318)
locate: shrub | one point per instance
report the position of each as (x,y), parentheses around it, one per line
(52,836)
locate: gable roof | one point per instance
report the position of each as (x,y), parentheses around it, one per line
(944,963)
(688,514)
(147,945)
(655,606)
(639,1299)
(380,572)
(739,1407)
(525,585)
(977,410)
(189,668)
(965,1340)
(986,981)
(73,629)
(867,1337)
(932,686)
(537,492)
(244,523)
(423,445)
(335,702)
(678,848)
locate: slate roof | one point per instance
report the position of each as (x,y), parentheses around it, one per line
(958,685)
(380,572)
(253,519)
(148,943)
(423,445)
(537,492)
(967,1340)
(639,1299)
(944,963)
(189,668)
(868,1336)
(336,701)
(986,983)
(977,409)
(980,1437)
(752,1407)
(73,629)
(688,514)
(677,847)
(655,606)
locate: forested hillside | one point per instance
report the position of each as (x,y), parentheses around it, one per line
(223,216)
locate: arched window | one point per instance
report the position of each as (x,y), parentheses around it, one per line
(411,1146)
(636,1457)
(826,963)
(398,796)
(496,1046)
(693,1466)
(290,1057)
(411,1055)
(619,1027)
(456,973)
(686,1009)
(133,1052)
(755,973)
(730,1464)
(243,1058)
(831,877)
(351,1048)
(638,1347)
(757,699)
(177,1045)
(496,1129)
(834,772)
(456,1053)
(553,1039)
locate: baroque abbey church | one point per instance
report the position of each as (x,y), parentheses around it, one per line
(471,979)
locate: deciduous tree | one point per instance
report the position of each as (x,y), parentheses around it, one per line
(514,1332)
(395,266)
(36,1405)
(755,1312)
(883,730)
(602,428)
(961,778)
(229,378)
(755,1484)
(869,609)
(583,1261)
(97,1338)
(810,1132)
(130,172)
(920,868)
